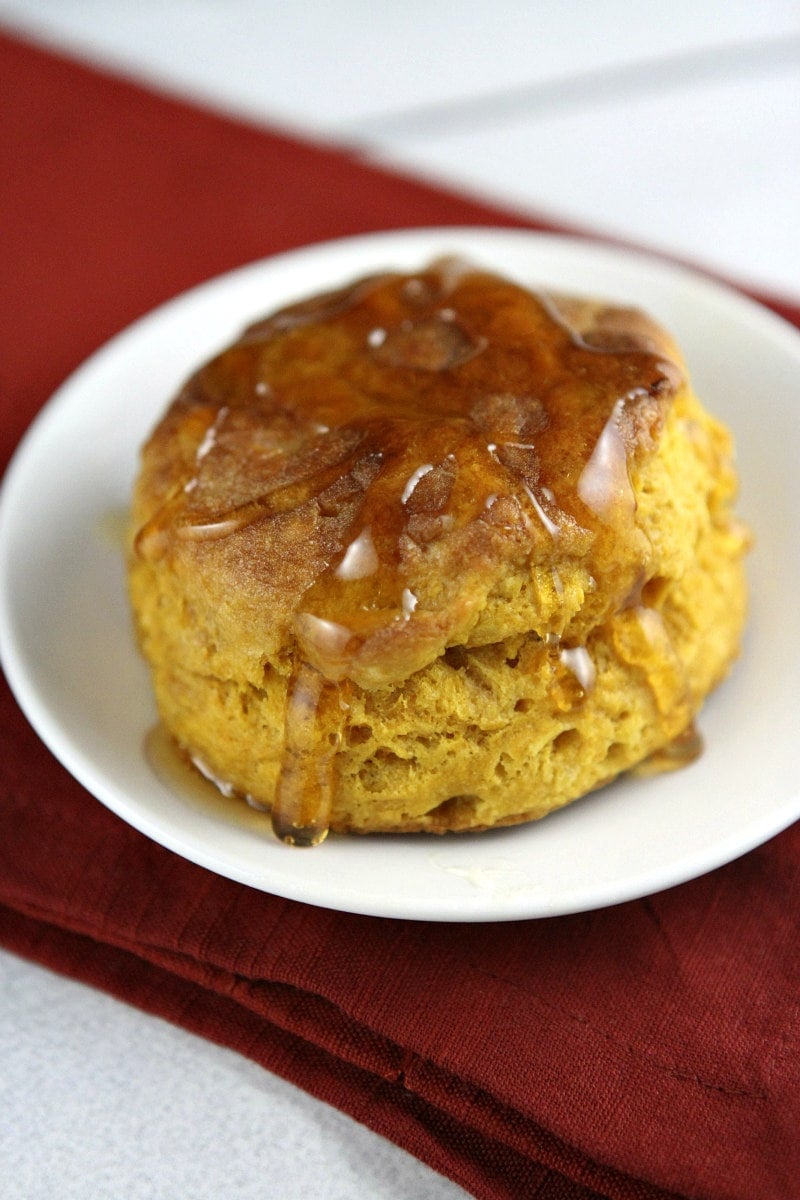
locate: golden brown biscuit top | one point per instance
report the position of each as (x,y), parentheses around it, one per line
(375,461)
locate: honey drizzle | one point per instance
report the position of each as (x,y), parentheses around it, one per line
(429,330)
(304,793)
(463,442)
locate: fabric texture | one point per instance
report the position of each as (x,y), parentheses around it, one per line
(639,1052)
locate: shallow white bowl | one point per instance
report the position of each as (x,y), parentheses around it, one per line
(68,651)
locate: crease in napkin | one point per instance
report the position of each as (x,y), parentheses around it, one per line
(640,1052)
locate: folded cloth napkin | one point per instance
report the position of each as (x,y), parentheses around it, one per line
(643,1051)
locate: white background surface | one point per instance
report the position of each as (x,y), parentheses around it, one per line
(675,126)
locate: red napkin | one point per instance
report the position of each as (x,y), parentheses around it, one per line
(644,1051)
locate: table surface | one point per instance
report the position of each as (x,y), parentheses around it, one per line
(676,127)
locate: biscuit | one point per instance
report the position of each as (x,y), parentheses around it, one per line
(435,552)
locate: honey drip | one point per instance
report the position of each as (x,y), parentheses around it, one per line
(304,794)
(574,677)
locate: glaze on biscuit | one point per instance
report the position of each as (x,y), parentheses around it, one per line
(435,552)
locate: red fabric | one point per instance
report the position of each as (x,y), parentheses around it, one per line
(640,1052)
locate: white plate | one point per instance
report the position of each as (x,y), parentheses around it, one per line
(66,642)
